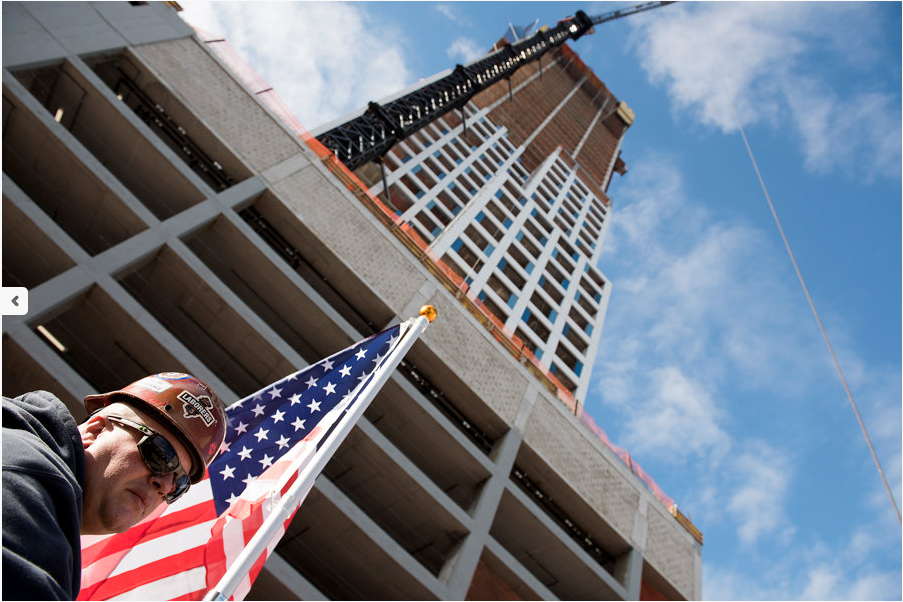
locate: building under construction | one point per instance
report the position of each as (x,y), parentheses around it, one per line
(167,212)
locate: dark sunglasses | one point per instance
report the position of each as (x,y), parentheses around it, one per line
(160,456)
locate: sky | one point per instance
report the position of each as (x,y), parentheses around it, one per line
(712,371)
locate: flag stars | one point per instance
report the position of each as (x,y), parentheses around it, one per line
(258,410)
(241,428)
(296,399)
(329,388)
(261,434)
(267,461)
(314,406)
(361,353)
(227,472)
(275,392)
(278,416)
(283,442)
(245,453)
(310,382)
(249,479)
(345,371)
(298,424)
(327,365)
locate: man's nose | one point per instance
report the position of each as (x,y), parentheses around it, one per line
(163,484)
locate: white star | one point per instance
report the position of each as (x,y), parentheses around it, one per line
(245,453)
(329,388)
(391,340)
(327,365)
(232,498)
(346,370)
(378,359)
(241,428)
(278,416)
(261,434)
(292,376)
(295,399)
(227,472)
(311,382)
(275,392)
(267,461)
(314,406)
(363,376)
(225,447)
(283,442)
(248,479)
(360,353)
(258,410)
(298,424)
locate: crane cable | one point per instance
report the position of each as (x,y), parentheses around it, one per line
(809,298)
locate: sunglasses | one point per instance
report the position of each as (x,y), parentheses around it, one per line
(160,456)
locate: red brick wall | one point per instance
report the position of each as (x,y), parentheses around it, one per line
(530,107)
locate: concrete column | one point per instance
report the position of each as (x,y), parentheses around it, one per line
(459,569)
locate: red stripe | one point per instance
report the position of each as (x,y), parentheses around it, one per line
(148,573)
(168,523)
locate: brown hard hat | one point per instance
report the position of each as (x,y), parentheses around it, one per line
(182,402)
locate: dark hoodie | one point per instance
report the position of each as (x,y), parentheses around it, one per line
(43,474)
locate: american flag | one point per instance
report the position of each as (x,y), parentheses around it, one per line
(181,551)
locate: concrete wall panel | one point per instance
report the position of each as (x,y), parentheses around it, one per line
(363,246)
(211,93)
(672,552)
(477,359)
(562,443)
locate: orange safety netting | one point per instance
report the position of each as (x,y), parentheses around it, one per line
(413,241)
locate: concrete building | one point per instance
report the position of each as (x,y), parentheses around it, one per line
(164,217)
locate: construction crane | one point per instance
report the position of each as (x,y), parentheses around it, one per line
(369,136)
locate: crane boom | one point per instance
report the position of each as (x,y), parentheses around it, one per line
(626,12)
(369,136)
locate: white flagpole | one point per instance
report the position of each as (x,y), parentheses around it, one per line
(293,497)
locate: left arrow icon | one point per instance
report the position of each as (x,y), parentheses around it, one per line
(14,301)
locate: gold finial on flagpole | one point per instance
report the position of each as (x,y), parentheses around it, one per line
(428,312)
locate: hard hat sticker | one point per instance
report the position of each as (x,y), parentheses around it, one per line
(197,407)
(157,385)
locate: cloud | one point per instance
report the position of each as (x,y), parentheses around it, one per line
(761,57)
(448,13)
(677,413)
(758,504)
(302,52)
(465,50)
(710,362)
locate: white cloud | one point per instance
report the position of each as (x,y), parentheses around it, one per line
(447,11)
(758,504)
(678,414)
(465,50)
(303,50)
(759,56)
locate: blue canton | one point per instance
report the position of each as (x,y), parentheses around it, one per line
(265,425)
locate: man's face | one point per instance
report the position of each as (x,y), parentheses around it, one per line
(120,489)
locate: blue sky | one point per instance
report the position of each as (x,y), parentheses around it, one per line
(711,371)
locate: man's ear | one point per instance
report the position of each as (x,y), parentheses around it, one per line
(92,427)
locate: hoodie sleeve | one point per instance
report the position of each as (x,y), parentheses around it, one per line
(43,467)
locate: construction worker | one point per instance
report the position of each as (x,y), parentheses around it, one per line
(141,445)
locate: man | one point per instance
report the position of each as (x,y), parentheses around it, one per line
(141,445)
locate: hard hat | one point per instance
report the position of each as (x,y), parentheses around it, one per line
(187,405)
